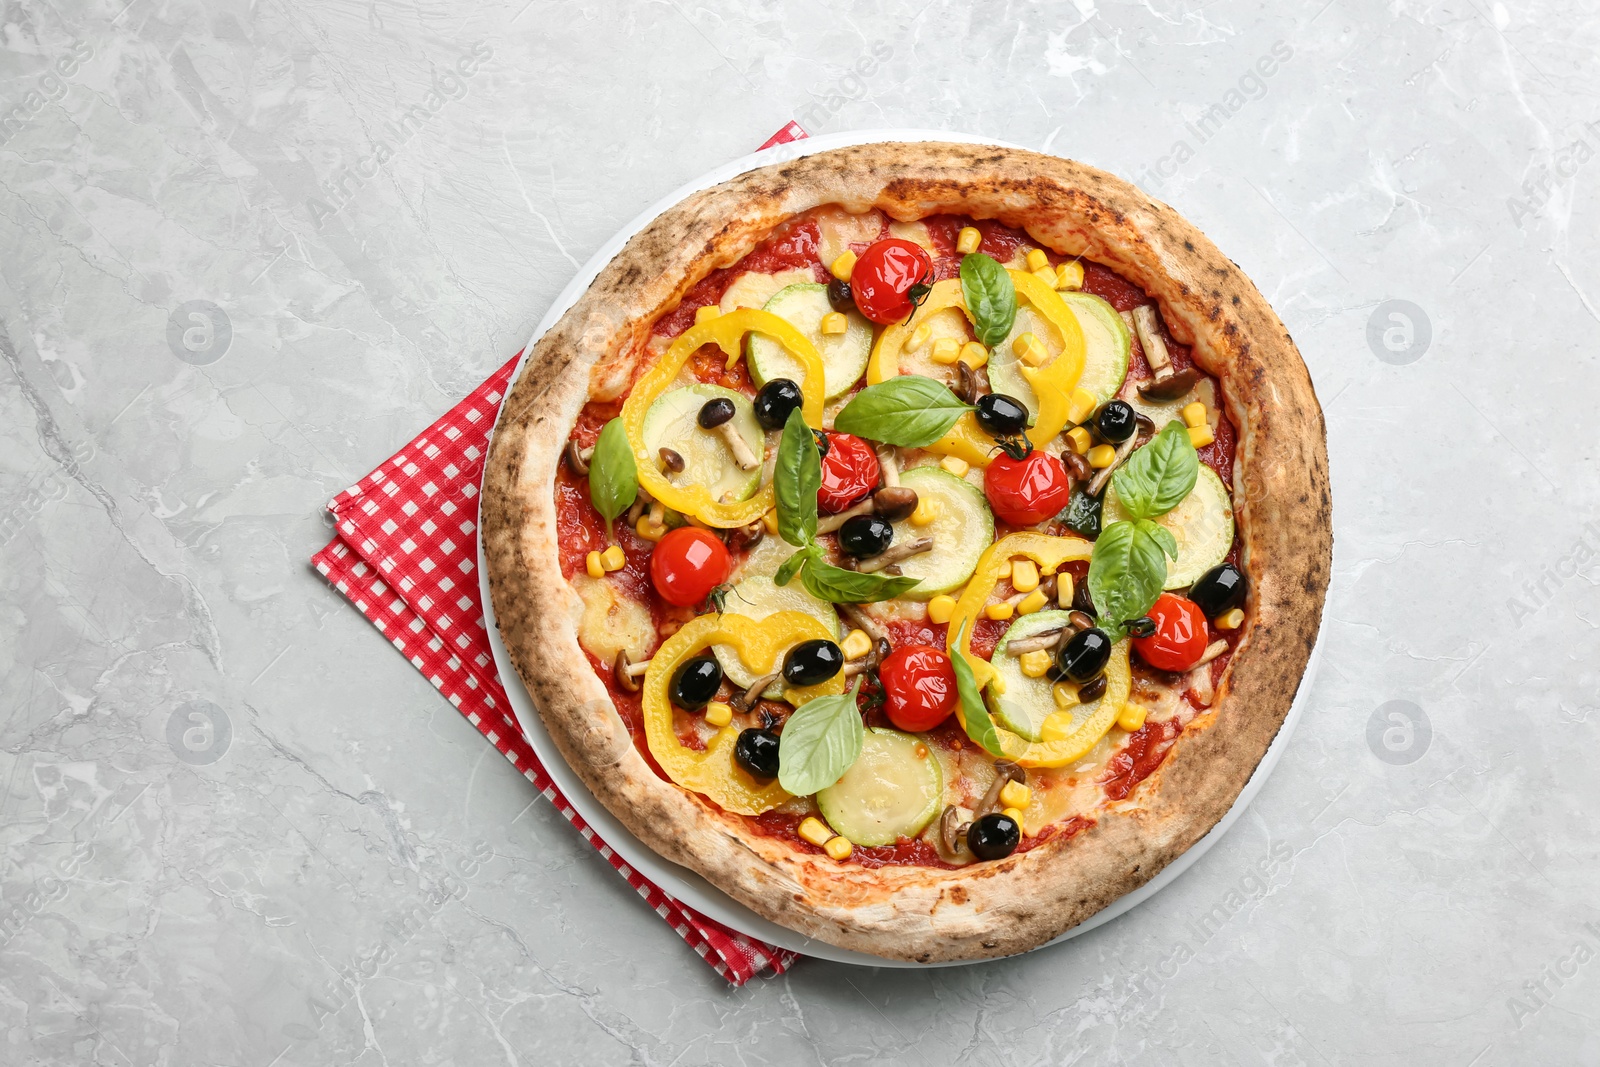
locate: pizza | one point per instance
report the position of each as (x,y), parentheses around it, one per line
(922,542)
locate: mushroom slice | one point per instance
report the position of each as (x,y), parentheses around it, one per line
(577,458)
(894,554)
(626,672)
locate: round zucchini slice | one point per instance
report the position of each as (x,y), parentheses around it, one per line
(844,356)
(1026,702)
(893,790)
(671,423)
(963,528)
(1106,343)
(1202,525)
(757,596)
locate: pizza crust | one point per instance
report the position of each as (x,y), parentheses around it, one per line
(1281,502)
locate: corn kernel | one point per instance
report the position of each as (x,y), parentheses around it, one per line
(946,350)
(843,266)
(1015,795)
(955,465)
(834,323)
(1015,815)
(1101,456)
(1082,406)
(1000,611)
(814,830)
(718,713)
(1064,589)
(612,558)
(1194,414)
(919,337)
(650,531)
(1035,664)
(1079,438)
(1024,575)
(839,848)
(1229,620)
(975,354)
(1201,435)
(770,521)
(1034,601)
(1037,259)
(592,564)
(856,644)
(1131,717)
(940,608)
(1057,727)
(968,239)
(1065,695)
(928,511)
(1046,275)
(706,313)
(1029,349)
(1069,275)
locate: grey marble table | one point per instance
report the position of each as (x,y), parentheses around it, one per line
(235,276)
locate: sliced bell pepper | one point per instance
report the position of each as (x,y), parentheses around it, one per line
(713,773)
(726,332)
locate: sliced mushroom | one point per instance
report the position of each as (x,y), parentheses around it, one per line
(1213,650)
(951,840)
(626,672)
(889,466)
(1093,689)
(1199,685)
(746,459)
(747,537)
(746,700)
(1171,387)
(831,523)
(1004,771)
(863,622)
(640,502)
(1097,485)
(577,458)
(894,554)
(1034,642)
(1076,466)
(895,503)
(670,459)
(1080,619)
(880,649)
(1147,324)
(966,386)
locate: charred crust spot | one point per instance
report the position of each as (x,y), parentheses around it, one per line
(1188,246)
(1236,302)
(957,894)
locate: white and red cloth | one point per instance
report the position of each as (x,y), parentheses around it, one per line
(406,555)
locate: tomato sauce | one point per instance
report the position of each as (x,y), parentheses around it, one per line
(1139,758)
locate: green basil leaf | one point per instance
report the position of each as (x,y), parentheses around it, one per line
(796,477)
(838,586)
(1128,570)
(980,727)
(820,742)
(990,296)
(613,476)
(790,566)
(1157,477)
(908,410)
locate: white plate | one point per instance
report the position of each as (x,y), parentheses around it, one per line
(681,882)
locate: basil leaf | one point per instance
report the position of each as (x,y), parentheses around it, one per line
(980,727)
(908,410)
(796,477)
(990,296)
(838,586)
(613,476)
(1157,477)
(1128,569)
(790,566)
(820,742)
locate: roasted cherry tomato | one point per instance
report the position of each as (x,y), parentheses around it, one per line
(687,564)
(890,280)
(849,472)
(919,687)
(1029,490)
(1180,637)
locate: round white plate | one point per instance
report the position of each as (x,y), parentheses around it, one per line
(681,882)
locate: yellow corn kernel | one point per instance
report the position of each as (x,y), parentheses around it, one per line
(612,558)
(1080,440)
(1046,275)
(814,830)
(1100,456)
(1057,727)
(1015,795)
(1194,414)
(650,531)
(1033,602)
(1000,611)
(592,564)
(919,337)
(975,354)
(968,239)
(1029,349)
(706,313)
(1024,575)
(1082,406)
(1037,259)
(946,350)
(955,465)
(1035,664)
(839,848)
(1201,435)
(834,323)
(770,521)
(1131,717)
(1015,815)
(856,644)
(718,713)
(1066,696)
(1064,589)
(1229,620)
(1069,275)
(843,266)
(940,608)
(928,510)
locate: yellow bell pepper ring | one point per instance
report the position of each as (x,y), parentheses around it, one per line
(1052,383)
(713,773)
(726,331)
(885,361)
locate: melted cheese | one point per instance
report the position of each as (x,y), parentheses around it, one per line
(611,623)
(838,230)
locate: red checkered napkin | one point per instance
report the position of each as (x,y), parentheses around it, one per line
(406,555)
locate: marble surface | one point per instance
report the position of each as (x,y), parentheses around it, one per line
(235,277)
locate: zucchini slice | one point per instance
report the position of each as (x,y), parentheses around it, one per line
(844,356)
(671,423)
(1202,525)
(893,790)
(963,529)
(756,597)
(1026,702)
(1106,343)
(753,289)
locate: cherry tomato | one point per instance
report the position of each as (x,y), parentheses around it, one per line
(849,472)
(890,280)
(919,687)
(687,564)
(1029,490)
(1180,637)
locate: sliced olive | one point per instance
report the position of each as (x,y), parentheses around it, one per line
(840,298)
(1001,415)
(994,836)
(695,683)
(1117,421)
(773,404)
(715,412)
(1085,655)
(865,535)
(1220,589)
(1082,601)
(757,752)
(812,662)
